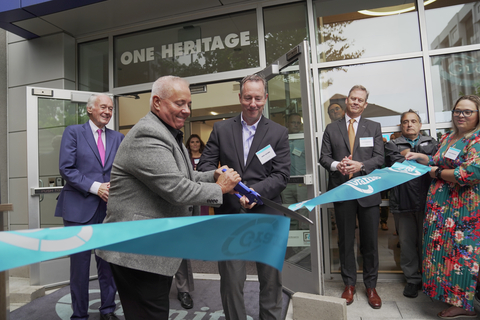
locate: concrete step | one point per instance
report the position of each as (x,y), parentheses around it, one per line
(22,292)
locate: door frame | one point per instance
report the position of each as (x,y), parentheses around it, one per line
(296,279)
(53,272)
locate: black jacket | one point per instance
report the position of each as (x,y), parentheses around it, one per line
(409,196)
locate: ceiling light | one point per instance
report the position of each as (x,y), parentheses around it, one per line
(387,11)
(213,113)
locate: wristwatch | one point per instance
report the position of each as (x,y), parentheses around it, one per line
(362,168)
(438,173)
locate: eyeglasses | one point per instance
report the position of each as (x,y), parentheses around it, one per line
(466,113)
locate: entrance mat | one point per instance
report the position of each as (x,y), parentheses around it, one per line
(206,299)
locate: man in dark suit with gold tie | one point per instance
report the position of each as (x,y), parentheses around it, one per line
(352,147)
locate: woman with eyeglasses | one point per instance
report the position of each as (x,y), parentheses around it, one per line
(451,229)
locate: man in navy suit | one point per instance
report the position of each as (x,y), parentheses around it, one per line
(84,197)
(257,148)
(344,160)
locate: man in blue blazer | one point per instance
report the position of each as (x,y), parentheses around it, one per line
(84,197)
(257,148)
(344,162)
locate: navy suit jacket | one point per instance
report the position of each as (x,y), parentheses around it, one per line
(225,146)
(80,166)
(336,146)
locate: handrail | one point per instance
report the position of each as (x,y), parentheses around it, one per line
(45,190)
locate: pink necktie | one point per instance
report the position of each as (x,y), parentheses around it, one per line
(101,149)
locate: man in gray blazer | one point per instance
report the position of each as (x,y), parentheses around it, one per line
(152,177)
(343,163)
(258,149)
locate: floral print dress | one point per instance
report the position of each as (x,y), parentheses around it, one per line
(451,229)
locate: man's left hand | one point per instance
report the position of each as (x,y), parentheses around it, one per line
(218,172)
(104,191)
(245,203)
(351,166)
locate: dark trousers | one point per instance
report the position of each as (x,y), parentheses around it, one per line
(410,235)
(346,213)
(233,275)
(144,295)
(80,276)
(184,277)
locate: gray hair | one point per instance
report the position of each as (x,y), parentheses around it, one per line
(410,111)
(93,99)
(163,88)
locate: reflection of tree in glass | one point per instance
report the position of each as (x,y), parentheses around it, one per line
(280,42)
(337,46)
(475,90)
(59,113)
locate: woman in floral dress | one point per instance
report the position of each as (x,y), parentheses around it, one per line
(451,242)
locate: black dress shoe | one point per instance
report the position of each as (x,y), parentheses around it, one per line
(185,300)
(108,316)
(411,290)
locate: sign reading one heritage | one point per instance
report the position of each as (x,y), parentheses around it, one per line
(178,49)
(195,48)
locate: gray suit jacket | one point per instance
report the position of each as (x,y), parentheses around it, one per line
(225,146)
(336,146)
(152,177)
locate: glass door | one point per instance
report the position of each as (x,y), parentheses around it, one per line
(50,111)
(290,104)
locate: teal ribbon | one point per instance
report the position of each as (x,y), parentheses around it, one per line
(253,237)
(364,186)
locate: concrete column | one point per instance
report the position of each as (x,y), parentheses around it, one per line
(4,290)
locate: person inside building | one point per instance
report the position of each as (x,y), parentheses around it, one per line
(152,171)
(86,157)
(352,148)
(257,148)
(451,241)
(407,201)
(335,112)
(195,147)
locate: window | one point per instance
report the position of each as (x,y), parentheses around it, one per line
(285,27)
(394,87)
(93,66)
(193,48)
(350,30)
(453,75)
(452,25)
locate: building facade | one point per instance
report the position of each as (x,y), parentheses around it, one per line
(422,56)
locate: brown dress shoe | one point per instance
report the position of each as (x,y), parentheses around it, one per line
(373,299)
(348,294)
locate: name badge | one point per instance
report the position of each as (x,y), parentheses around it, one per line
(297,152)
(196,161)
(452,153)
(266,154)
(366,142)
